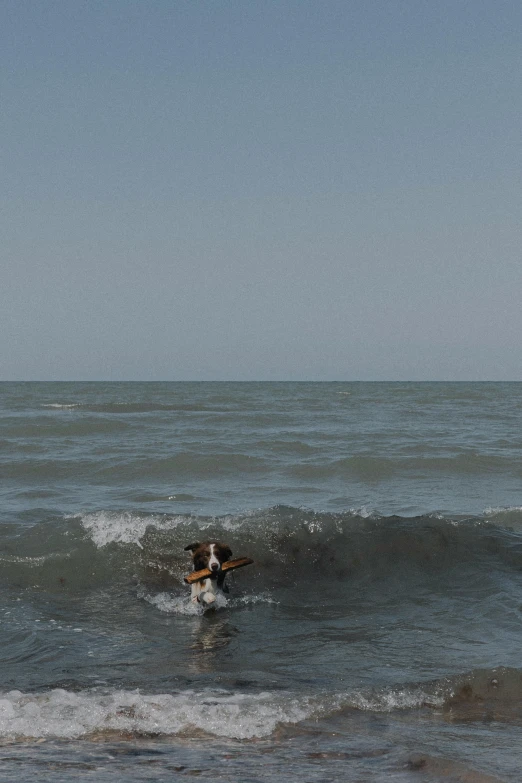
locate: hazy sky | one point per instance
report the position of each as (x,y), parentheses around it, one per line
(261,189)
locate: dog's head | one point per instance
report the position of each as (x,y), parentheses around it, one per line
(209,554)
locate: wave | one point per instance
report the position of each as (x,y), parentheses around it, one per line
(68,714)
(138,407)
(289,546)
(185,463)
(508,516)
(62,405)
(481,694)
(44,427)
(370,468)
(494,694)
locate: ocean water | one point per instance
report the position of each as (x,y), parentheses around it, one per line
(377,637)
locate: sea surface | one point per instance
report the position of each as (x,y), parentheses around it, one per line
(377,637)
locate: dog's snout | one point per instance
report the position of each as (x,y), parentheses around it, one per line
(215,566)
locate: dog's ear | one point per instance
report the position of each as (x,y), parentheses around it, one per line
(226,552)
(192,547)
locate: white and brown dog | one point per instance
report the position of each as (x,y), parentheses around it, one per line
(212,555)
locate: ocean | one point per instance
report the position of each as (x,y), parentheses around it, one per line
(376,637)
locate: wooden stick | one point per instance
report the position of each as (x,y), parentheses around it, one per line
(198,576)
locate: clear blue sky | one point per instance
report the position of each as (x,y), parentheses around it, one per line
(265,189)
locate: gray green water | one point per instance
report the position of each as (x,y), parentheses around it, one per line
(377,637)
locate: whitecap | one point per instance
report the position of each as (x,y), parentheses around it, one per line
(107,527)
(509,517)
(64,714)
(390,699)
(60,405)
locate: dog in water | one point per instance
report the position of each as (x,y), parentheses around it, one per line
(211,555)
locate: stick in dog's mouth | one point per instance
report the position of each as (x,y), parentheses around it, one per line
(205,573)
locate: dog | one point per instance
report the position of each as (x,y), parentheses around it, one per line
(212,555)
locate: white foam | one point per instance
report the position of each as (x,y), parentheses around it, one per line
(509,517)
(106,527)
(232,523)
(502,510)
(364,512)
(252,600)
(170,604)
(61,405)
(63,714)
(388,700)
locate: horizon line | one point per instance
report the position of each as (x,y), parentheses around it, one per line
(279,380)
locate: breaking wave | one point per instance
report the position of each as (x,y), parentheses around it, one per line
(69,714)
(288,545)
(492,693)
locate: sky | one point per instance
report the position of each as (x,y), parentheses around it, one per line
(261,190)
